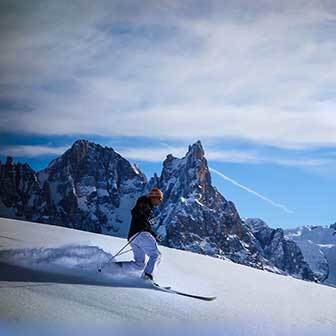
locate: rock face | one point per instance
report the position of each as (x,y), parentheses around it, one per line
(19,190)
(93,188)
(318,245)
(283,253)
(89,187)
(195,216)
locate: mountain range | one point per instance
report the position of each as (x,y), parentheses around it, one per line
(93,188)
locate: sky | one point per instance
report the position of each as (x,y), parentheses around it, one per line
(254,81)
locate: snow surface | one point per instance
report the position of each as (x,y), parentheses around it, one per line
(49,273)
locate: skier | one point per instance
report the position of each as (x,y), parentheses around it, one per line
(143,239)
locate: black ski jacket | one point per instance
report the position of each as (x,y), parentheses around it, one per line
(142,217)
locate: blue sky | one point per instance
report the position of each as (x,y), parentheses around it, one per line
(254,81)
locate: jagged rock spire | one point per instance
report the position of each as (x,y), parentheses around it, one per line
(196,150)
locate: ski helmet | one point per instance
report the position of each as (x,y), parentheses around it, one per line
(156,192)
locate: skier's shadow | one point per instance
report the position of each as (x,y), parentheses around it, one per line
(17,274)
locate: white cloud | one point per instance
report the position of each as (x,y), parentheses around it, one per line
(31,150)
(158,154)
(260,71)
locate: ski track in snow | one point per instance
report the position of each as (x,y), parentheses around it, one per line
(79,261)
(50,273)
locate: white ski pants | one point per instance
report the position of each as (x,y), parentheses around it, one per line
(144,244)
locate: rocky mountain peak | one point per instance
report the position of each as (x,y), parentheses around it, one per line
(195,216)
(196,150)
(19,190)
(80,149)
(256,224)
(333,226)
(281,252)
(89,187)
(85,155)
(187,177)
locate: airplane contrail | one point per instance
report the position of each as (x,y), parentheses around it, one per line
(283,207)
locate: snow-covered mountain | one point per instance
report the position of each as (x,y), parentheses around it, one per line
(318,245)
(196,217)
(89,187)
(280,251)
(49,273)
(93,188)
(20,191)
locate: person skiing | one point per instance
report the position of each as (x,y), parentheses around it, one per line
(142,237)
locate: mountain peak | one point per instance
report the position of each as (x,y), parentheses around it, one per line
(256,224)
(83,145)
(196,149)
(80,142)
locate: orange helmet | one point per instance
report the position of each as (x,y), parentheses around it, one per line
(156,192)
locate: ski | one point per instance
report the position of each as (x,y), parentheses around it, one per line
(173,291)
(166,287)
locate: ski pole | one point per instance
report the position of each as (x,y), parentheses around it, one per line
(100,269)
(121,253)
(124,252)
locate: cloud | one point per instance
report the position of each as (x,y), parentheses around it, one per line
(158,154)
(31,150)
(150,153)
(264,198)
(260,71)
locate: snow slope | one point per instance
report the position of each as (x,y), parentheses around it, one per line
(50,273)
